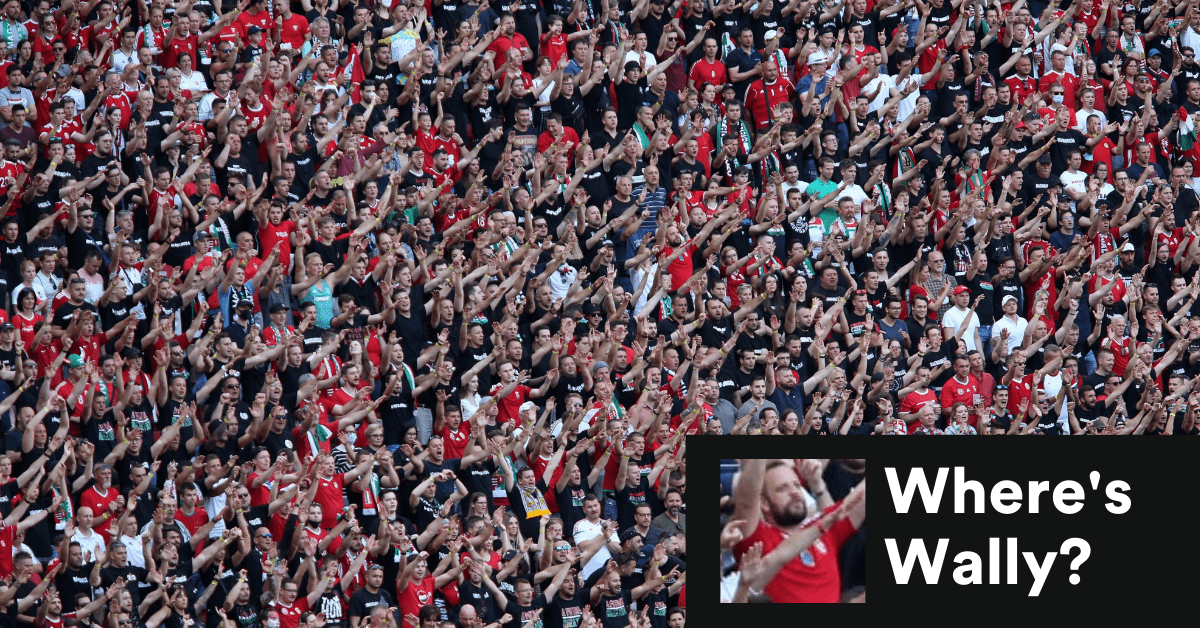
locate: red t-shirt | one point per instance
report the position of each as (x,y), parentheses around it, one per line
(179,45)
(510,406)
(417,594)
(293,31)
(914,401)
(956,392)
(681,268)
(289,616)
(329,495)
(92,498)
(813,576)
(705,72)
(456,441)
(1021,88)
(193,522)
(554,47)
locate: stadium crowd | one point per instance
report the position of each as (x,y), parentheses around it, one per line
(339,312)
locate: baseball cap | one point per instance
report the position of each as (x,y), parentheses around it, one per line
(1127,248)
(816,58)
(278,307)
(75,361)
(1044,159)
(1007,298)
(1154,52)
(605,242)
(203,234)
(629,534)
(245,303)
(961,289)
(254,29)
(130,352)
(7,326)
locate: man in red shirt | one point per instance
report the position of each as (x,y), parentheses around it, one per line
(100,494)
(1059,75)
(678,253)
(962,388)
(556,132)
(189,513)
(508,37)
(512,393)
(291,30)
(255,15)
(918,398)
(290,607)
(709,69)
(770,501)
(764,94)
(1022,84)
(330,484)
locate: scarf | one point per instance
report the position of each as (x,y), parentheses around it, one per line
(643,139)
(534,503)
(742,131)
(885,198)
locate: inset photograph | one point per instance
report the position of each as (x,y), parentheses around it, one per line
(793,530)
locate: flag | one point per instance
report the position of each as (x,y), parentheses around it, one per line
(1187,130)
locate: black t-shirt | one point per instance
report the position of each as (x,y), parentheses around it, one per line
(613,610)
(481,598)
(630,97)
(521,613)
(568,612)
(363,602)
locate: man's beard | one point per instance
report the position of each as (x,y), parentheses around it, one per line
(789,516)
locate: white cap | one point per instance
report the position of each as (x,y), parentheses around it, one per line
(1007,298)
(771,34)
(816,58)
(1128,247)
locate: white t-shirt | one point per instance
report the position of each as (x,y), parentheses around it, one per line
(585,530)
(92,542)
(1082,115)
(884,83)
(637,56)
(1073,180)
(1016,330)
(954,318)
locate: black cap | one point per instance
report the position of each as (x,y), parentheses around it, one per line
(278,307)
(6,326)
(509,555)
(632,65)
(130,352)
(245,303)
(605,242)
(1044,159)
(1063,198)
(253,29)
(629,534)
